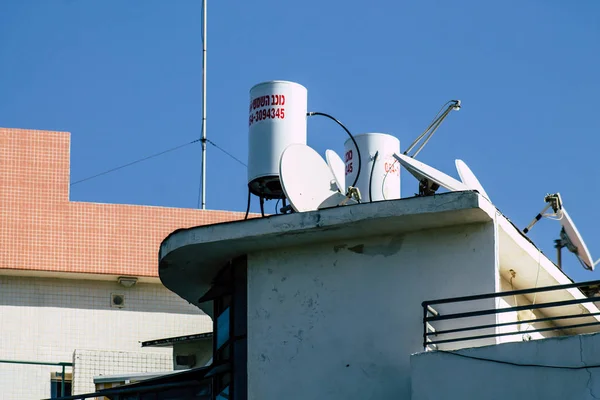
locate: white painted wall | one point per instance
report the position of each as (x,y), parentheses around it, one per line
(525,328)
(92,363)
(47,319)
(447,376)
(343,318)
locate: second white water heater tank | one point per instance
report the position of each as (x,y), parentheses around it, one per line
(385,184)
(277,119)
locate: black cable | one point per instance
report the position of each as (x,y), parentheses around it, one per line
(277,204)
(349,134)
(135,162)
(371,176)
(248,207)
(518,364)
(156,155)
(226,152)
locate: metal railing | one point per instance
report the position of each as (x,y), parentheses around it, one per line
(431,336)
(63,365)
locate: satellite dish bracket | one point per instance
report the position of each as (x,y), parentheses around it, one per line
(435,124)
(553,201)
(427,187)
(564,241)
(353,193)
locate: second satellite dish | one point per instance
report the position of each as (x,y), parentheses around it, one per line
(569,235)
(574,242)
(430,179)
(338,169)
(307,181)
(468,178)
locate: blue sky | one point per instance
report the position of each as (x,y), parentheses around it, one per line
(124,77)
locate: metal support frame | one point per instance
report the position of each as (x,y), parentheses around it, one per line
(553,201)
(558,245)
(431,315)
(435,124)
(59,364)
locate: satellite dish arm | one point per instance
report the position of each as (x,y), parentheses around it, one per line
(536,219)
(552,200)
(435,124)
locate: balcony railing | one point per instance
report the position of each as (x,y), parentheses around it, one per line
(433,337)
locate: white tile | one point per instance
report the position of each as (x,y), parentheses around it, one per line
(48,319)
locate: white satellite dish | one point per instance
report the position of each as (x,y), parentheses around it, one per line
(307,181)
(573,240)
(430,178)
(468,178)
(569,235)
(337,168)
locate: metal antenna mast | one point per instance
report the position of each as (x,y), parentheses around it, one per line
(204,31)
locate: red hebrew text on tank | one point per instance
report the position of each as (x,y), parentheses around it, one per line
(266,107)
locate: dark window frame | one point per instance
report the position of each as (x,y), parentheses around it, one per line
(231,358)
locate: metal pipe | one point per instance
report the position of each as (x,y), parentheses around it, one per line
(133,390)
(432,311)
(205,13)
(425,309)
(433,129)
(510,293)
(58,364)
(493,335)
(517,322)
(435,124)
(537,218)
(558,244)
(519,308)
(62,382)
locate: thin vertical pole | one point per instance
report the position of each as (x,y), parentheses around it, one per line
(204,32)
(424,327)
(62,383)
(558,245)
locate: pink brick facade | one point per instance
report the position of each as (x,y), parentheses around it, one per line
(41,230)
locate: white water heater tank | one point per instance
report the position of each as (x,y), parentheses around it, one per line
(385,184)
(277,119)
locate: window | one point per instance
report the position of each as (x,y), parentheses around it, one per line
(224,395)
(223,328)
(229,296)
(56,385)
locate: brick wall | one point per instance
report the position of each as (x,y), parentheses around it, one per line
(41,230)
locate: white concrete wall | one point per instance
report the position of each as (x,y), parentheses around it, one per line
(340,320)
(438,375)
(92,363)
(525,328)
(47,319)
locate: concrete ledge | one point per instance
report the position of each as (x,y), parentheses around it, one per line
(190,258)
(555,368)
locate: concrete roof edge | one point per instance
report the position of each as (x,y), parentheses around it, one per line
(325,219)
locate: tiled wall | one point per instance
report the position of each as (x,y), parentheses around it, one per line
(91,363)
(47,319)
(40,229)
